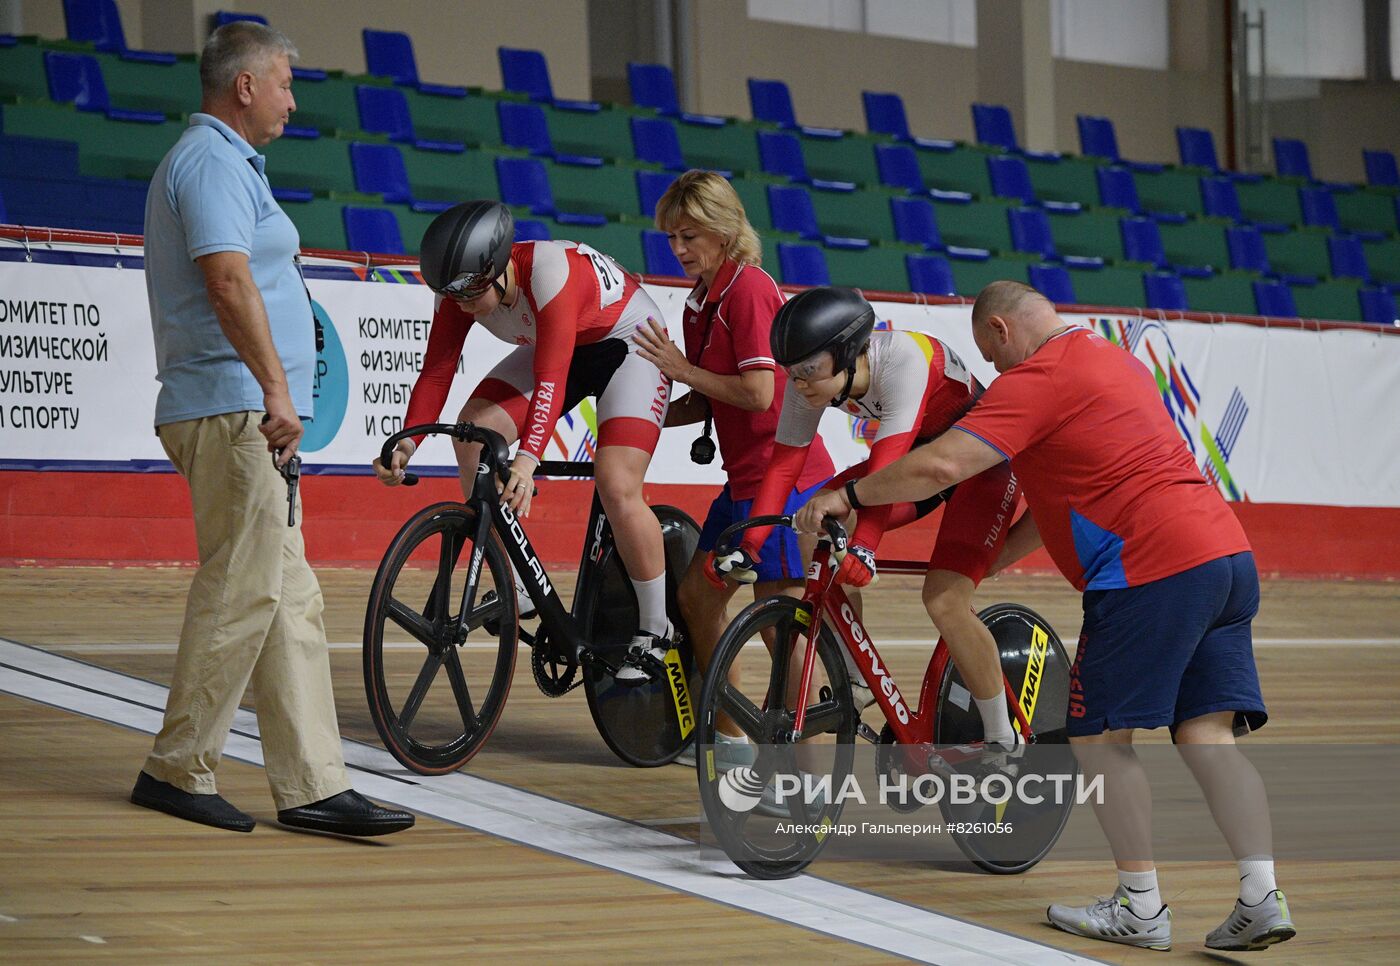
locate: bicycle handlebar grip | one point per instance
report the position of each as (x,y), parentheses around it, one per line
(723,546)
(837,533)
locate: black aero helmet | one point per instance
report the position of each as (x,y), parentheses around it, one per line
(835,320)
(466,248)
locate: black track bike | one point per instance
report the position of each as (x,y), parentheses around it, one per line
(442,625)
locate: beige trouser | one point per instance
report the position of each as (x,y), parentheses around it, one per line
(253,612)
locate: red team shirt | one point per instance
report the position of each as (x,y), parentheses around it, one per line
(570,296)
(1116,495)
(747,295)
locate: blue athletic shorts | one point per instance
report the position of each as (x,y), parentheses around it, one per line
(1169,651)
(779,557)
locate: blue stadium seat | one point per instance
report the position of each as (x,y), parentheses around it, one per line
(1053,282)
(525,181)
(1247,251)
(1030,232)
(1164,290)
(1011,179)
(1380,169)
(1220,198)
(384,110)
(1197,148)
(654,86)
(915,222)
(531,229)
(899,168)
(1291,159)
(1097,138)
(1378,306)
(770,101)
(930,275)
(379,169)
(660,260)
(77,79)
(781,153)
(803,264)
(525,126)
(1319,208)
(99,23)
(992,123)
(655,141)
(651,185)
(389,53)
(223,18)
(372,230)
(527,72)
(1347,257)
(790,207)
(884,114)
(1275,298)
(1118,188)
(1142,241)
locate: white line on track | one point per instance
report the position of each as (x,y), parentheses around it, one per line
(559,828)
(168,646)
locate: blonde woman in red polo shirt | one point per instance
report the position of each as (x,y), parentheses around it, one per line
(728,365)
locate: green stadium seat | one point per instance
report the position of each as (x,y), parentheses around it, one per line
(106,149)
(607,190)
(605,133)
(973,276)
(622,241)
(321,164)
(471,119)
(1384,259)
(320,223)
(1195,243)
(859,214)
(1170,191)
(878,268)
(22,72)
(732,147)
(169,88)
(753,194)
(1089,233)
(961,169)
(1111,285)
(1299,252)
(435,176)
(977,224)
(851,158)
(1069,179)
(1366,211)
(330,105)
(1229,292)
(1335,299)
(1270,201)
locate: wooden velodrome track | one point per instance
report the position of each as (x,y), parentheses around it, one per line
(85,876)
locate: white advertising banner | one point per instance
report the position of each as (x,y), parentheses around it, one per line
(1272,415)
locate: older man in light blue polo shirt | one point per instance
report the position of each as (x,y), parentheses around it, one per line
(235,357)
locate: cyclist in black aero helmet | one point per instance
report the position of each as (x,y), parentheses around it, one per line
(570,313)
(915,387)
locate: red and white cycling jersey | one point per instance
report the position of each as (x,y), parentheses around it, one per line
(918,388)
(570,295)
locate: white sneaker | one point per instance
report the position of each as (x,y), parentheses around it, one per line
(646,651)
(1251,928)
(1114,921)
(730,752)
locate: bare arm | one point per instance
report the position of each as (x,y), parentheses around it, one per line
(951,458)
(751,390)
(687,410)
(238,306)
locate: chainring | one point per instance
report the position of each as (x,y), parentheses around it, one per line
(556,673)
(887,767)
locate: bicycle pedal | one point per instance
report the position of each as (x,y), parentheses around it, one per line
(864,730)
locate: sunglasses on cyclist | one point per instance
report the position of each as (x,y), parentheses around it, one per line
(812,369)
(469,286)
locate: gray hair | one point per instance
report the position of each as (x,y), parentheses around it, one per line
(243,45)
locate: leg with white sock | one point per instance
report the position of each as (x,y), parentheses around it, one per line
(1240,806)
(948,600)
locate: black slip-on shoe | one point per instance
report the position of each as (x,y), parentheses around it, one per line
(205,809)
(348,813)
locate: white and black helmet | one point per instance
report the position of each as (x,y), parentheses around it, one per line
(466,248)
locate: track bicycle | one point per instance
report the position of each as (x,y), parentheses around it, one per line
(941,734)
(443,621)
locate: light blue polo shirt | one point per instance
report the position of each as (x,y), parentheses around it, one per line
(209,194)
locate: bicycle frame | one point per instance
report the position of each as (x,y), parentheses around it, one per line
(565,626)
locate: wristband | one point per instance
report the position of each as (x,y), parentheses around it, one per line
(851,496)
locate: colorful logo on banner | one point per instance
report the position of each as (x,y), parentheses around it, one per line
(331,391)
(1149,341)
